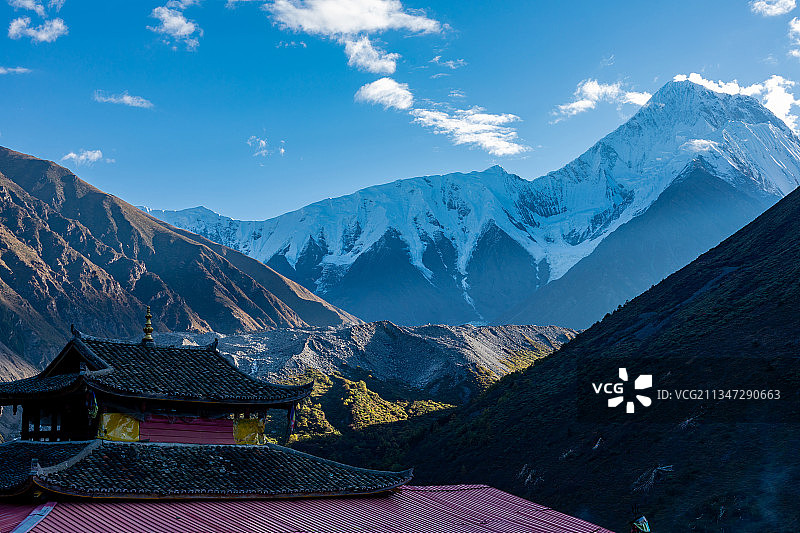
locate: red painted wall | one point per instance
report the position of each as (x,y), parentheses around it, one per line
(186,430)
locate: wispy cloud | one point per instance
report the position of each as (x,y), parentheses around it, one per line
(475,127)
(30,5)
(182,4)
(175,26)
(591,92)
(123,98)
(85,157)
(350,23)
(335,18)
(794,37)
(363,55)
(774,93)
(232,4)
(353,22)
(291,44)
(455,93)
(772,8)
(471,126)
(727,87)
(260,146)
(47,32)
(450,63)
(386,92)
(14,70)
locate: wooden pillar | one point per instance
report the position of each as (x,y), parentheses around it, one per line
(290,421)
(55,418)
(35,420)
(26,420)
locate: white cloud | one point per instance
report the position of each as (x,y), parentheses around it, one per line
(450,63)
(633,97)
(475,127)
(335,18)
(174,25)
(471,126)
(260,146)
(727,87)
(352,23)
(773,93)
(47,32)
(291,44)
(386,92)
(233,4)
(772,8)
(777,98)
(455,93)
(363,55)
(182,4)
(123,98)
(31,5)
(794,37)
(85,157)
(608,60)
(55,4)
(590,92)
(699,145)
(14,70)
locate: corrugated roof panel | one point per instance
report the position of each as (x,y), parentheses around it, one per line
(12,515)
(445,509)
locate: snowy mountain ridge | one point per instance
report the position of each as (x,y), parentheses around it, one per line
(557,219)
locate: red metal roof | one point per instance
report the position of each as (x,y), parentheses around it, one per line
(446,509)
(11,515)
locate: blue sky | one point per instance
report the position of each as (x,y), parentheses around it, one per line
(255,108)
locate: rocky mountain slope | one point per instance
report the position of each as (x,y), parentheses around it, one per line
(476,247)
(726,322)
(70,253)
(447,363)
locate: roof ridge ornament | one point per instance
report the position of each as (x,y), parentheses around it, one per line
(75,332)
(147,340)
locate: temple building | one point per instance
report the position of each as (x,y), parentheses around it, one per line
(122,391)
(122,436)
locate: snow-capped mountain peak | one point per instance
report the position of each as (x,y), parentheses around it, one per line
(555,220)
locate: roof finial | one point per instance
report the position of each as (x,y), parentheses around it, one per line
(148,328)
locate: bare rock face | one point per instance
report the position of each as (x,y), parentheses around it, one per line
(445,362)
(72,254)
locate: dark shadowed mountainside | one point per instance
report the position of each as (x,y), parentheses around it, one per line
(730,320)
(696,212)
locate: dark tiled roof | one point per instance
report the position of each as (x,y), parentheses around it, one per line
(147,470)
(16,456)
(184,373)
(197,374)
(36,386)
